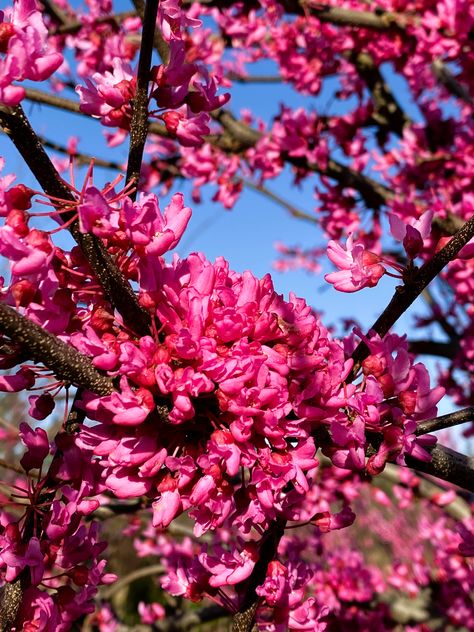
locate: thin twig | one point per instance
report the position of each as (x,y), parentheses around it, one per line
(445,421)
(139,124)
(108,591)
(293,211)
(405,295)
(159,44)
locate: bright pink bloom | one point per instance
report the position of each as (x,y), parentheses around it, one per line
(358,267)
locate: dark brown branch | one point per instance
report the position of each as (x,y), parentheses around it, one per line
(445,421)
(388,113)
(448,465)
(116,287)
(430,347)
(11,595)
(243,621)
(55,12)
(68,364)
(74,26)
(139,124)
(405,295)
(449,81)
(251,79)
(62,103)
(380,20)
(240,137)
(159,44)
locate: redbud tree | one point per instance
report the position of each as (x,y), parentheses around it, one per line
(196,451)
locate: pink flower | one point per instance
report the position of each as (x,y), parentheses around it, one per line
(38,446)
(188,128)
(149,613)
(109,95)
(358,267)
(412,232)
(230,567)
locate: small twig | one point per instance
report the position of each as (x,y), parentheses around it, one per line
(38,96)
(293,211)
(74,26)
(190,620)
(449,81)
(430,347)
(79,158)
(445,421)
(405,295)
(108,591)
(251,79)
(159,44)
(139,124)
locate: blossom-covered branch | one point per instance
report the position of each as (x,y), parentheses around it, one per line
(67,364)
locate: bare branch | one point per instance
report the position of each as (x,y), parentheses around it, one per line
(191,620)
(139,124)
(251,79)
(388,112)
(80,158)
(38,96)
(445,421)
(74,26)
(11,595)
(108,591)
(159,44)
(379,20)
(405,295)
(274,197)
(449,81)
(430,347)
(66,363)
(374,193)
(448,465)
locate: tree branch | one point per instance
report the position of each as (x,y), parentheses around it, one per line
(388,113)
(448,465)
(374,193)
(116,287)
(38,96)
(66,363)
(430,347)
(243,621)
(159,44)
(274,197)
(139,124)
(445,421)
(405,295)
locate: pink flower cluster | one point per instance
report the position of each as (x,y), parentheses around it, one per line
(24,51)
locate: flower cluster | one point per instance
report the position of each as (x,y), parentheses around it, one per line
(24,50)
